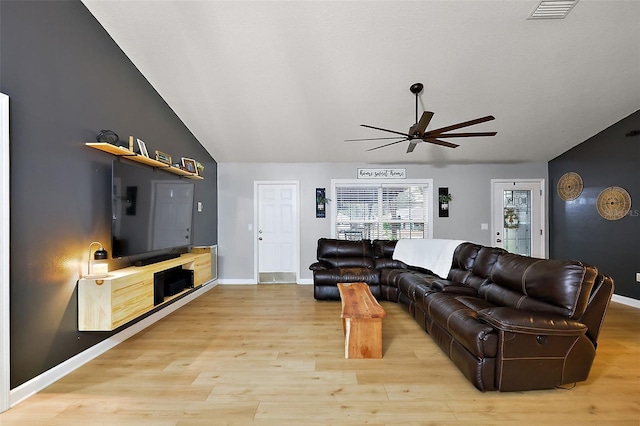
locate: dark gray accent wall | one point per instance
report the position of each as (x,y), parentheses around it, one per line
(576,229)
(67,79)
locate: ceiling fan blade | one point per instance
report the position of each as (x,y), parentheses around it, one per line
(370,139)
(419,128)
(466,135)
(438,132)
(392,143)
(439,142)
(412,146)
(385,130)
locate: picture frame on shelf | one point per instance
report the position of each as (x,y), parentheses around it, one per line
(143,148)
(189,165)
(163,157)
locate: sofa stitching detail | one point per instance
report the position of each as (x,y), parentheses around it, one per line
(566,356)
(524,276)
(453,313)
(579,289)
(500,365)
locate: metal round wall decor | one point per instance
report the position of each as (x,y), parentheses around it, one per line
(613,203)
(570,186)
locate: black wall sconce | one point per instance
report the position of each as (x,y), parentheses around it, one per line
(444,199)
(321,202)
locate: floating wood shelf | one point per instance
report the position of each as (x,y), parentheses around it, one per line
(124,152)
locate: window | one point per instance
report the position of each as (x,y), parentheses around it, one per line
(388,210)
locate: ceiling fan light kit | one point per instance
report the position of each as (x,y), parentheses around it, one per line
(417,132)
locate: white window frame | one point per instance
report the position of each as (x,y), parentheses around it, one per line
(428,183)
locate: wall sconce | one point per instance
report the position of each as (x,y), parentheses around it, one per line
(98,268)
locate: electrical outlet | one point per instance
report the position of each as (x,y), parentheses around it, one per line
(638,276)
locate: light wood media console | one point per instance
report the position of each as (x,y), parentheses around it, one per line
(107,303)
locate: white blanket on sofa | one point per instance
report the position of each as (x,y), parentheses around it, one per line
(433,254)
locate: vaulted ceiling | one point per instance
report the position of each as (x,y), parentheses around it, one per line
(289,81)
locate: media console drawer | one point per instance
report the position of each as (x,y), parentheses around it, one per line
(108,303)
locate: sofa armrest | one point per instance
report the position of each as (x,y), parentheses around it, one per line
(320,266)
(530,322)
(385,262)
(460,289)
(453,287)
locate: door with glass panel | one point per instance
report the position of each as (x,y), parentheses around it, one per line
(518,216)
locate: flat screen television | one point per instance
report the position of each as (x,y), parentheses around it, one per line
(152,210)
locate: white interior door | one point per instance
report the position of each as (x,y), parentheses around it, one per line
(518,224)
(277,232)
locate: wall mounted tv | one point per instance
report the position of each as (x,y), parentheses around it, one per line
(152,210)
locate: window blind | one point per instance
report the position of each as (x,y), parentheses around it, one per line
(381,211)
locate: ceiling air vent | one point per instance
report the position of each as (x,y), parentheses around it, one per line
(553,9)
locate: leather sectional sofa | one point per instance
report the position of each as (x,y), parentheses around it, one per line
(508,322)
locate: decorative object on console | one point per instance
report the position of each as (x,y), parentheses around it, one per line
(190,165)
(570,186)
(418,132)
(108,136)
(613,203)
(143,148)
(321,203)
(98,268)
(163,157)
(444,198)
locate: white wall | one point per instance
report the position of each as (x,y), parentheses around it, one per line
(470,186)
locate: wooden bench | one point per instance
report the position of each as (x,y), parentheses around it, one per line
(361,321)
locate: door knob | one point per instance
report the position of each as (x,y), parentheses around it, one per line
(260,238)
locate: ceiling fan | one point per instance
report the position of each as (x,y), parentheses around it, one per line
(417,133)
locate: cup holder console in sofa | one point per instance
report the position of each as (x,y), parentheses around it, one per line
(508,322)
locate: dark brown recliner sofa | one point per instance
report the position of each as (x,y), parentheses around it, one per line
(508,322)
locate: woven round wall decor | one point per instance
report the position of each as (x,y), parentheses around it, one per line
(570,186)
(613,203)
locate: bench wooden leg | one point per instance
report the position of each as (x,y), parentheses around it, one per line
(362,338)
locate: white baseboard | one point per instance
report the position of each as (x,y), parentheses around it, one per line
(626,301)
(253,282)
(50,376)
(248,281)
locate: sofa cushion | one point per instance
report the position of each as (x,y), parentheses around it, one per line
(462,322)
(345,254)
(560,286)
(383,248)
(484,262)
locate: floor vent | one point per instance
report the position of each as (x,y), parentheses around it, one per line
(553,9)
(277,278)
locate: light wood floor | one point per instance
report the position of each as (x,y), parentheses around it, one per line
(270,354)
